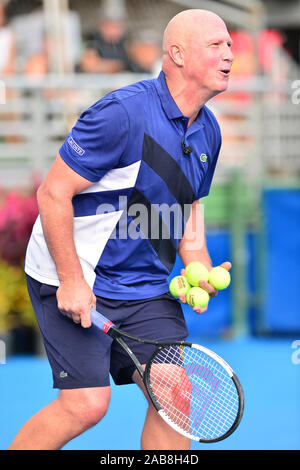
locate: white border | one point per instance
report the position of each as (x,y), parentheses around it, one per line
(215,357)
(175,426)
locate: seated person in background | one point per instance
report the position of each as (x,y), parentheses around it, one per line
(105,50)
(37,65)
(7,44)
(29,31)
(144,52)
(7,67)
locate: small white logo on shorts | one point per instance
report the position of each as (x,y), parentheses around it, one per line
(75,146)
(63,374)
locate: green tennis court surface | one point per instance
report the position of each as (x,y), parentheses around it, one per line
(270,379)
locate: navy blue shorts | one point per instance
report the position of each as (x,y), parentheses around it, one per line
(84,357)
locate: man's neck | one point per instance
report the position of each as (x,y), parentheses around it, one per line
(189,99)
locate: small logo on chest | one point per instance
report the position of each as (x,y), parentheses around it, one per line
(203,157)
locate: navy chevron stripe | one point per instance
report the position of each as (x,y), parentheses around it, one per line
(169,171)
(164,247)
(91,203)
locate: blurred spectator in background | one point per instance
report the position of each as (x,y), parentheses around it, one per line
(29,30)
(37,64)
(7,44)
(7,63)
(144,52)
(63,38)
(105,47)
(35,38)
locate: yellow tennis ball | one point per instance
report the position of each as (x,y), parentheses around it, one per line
(178,286)
(197,297)
(195,272)
(219,278)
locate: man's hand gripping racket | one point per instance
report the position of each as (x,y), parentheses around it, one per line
(192,388)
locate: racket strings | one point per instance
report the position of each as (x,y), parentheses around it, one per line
(194,390)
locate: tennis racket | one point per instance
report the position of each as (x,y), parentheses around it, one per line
(193,389)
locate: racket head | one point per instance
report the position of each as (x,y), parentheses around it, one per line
(194,390)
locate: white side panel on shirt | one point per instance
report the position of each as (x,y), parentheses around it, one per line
(91,234)
(118,178)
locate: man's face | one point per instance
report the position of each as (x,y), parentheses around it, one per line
(208,58)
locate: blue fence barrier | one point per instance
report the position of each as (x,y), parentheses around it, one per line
(281,308)
(279,311)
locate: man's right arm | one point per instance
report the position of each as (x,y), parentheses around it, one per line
(74,296)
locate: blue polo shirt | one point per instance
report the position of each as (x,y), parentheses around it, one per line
(129,222)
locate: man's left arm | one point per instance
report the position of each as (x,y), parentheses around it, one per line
(193,247)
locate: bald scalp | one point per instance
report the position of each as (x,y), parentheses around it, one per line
(183,27)
(197,59)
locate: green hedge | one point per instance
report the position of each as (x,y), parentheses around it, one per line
(15,305)
(18,213)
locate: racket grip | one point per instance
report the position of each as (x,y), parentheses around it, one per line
(100,321)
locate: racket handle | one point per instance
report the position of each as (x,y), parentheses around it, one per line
(100,321)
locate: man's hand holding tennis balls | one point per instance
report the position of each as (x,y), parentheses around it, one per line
(214,277)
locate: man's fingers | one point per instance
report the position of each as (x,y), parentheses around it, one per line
(86,319)
(77,309)
(86,313)
(200,310)
(81,315)
(75,317)
(182,298)
(86,316)
(209,288)
(226,265)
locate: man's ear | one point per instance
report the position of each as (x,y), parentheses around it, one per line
(176,53)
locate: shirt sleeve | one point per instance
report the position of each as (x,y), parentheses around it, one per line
(97,141)
(216,146)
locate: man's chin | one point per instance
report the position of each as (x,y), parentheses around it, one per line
(221,88)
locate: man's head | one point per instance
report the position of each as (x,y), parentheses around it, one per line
(196,47)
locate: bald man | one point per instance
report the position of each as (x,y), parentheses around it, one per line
(150,146)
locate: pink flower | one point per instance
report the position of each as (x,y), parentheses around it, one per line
(17,216)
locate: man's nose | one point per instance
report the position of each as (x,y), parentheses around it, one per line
(228,54)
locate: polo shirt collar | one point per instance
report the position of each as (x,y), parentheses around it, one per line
(170,107)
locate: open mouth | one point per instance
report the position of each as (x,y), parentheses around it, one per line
(225,73)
